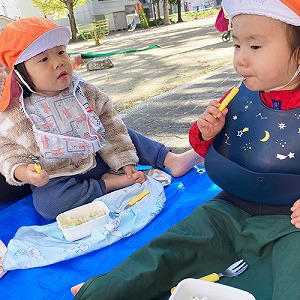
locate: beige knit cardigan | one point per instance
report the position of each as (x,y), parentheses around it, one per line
(17,142)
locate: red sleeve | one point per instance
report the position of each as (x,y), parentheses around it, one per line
(200,146)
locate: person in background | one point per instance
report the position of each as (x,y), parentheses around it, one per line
(61,134)
(251,151)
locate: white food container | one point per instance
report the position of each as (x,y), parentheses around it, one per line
(190,287)
(85,229)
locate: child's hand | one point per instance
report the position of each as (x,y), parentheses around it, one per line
(138,176)
(30,175)
(36,178)
(211,121)
(295,216)
(132,172)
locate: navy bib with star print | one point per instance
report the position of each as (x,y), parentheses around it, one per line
(256,156)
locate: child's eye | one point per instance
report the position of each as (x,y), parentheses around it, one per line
(61,52)
(236,46)
(255,47)
(44,59)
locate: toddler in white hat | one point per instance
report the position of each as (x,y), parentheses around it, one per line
(252,152)
(266,39)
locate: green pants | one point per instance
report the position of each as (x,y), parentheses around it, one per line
(213,236)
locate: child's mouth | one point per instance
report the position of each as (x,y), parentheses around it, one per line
(62,75)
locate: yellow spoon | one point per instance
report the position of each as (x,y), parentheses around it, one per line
(37,165)
(134,200)
(230,96)
(38,168)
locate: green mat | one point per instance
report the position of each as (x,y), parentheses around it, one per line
(92,54)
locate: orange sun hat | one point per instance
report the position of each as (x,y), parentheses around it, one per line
(24,39)
(287,11)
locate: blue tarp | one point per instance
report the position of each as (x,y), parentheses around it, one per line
(54,281)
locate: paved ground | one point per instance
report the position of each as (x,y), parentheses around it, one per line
(166,88)
(186,51)
(168,117)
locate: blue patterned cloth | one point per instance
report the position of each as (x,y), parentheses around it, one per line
(54,281)
(36,246)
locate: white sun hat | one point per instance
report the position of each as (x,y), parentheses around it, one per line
(287,11)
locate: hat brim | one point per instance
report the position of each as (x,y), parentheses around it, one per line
(281,10)
(59,36)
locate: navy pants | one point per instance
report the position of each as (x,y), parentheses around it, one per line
(64,193)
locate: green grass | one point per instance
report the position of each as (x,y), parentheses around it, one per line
(188,16)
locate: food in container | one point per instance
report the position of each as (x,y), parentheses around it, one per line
(79,222)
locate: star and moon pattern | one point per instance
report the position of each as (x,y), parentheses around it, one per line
(259,138)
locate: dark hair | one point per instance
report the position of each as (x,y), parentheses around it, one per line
(293,33)
(23,72)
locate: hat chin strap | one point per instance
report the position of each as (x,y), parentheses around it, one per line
(24,82)
(283,86)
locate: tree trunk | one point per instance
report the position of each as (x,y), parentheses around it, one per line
(154,14)
(72,21)
(158,10)
(166,13)
(179,11)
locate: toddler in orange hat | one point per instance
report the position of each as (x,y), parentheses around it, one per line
(61,134)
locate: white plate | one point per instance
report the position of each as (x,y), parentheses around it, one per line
(190,287)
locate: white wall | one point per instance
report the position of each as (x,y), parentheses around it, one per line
(18,9)
(85,13)
(109,6)
(27,9)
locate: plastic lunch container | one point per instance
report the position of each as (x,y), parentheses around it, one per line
(195,289)
(83,220)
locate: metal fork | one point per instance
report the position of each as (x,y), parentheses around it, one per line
(234,270)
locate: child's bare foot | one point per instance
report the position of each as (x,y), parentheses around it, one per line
(76,288)
(180,164)
(115,181)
